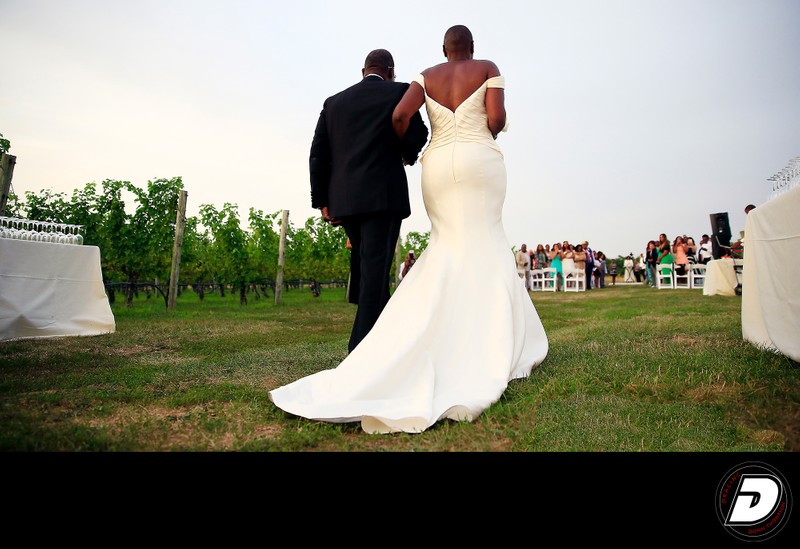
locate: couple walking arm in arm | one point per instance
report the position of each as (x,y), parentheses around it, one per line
(429,353)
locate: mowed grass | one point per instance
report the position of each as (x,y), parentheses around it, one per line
(630,369)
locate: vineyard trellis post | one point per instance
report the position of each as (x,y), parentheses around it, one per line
(281,253)
(398,258)
(7,162)
(180,225)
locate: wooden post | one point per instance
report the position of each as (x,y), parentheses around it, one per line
(349,246)
(398,259)
(180,225)
(281,252)
(7,162)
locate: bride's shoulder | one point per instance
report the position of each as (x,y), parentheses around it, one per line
(490,68)
(435,69)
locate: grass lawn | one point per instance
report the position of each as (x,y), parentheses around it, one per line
(630,369)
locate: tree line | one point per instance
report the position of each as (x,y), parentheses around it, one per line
(218,252)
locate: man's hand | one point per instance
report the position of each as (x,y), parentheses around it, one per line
(327,217)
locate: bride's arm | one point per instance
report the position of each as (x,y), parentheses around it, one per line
(495,101)
(496,110)
(409,105)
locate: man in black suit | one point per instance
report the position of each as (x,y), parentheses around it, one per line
(358,179)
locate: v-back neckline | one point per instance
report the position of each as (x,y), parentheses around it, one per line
(453,111)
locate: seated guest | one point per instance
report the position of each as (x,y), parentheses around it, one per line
(541,257)
(580,258)
(681,259)
(691,249)
(664,253)
(705,251)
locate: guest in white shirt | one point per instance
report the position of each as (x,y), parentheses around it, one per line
(705,251)
(524,265)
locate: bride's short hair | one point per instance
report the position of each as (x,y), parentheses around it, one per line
(458,36)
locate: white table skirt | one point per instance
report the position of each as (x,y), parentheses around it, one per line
(51,290)
(721,277)
(771,286)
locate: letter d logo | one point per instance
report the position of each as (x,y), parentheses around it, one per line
(753,501)
(756,498)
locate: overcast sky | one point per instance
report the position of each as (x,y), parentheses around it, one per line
(628,118)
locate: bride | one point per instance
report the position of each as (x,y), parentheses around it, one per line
(435,352)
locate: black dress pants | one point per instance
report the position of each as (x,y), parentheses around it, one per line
(373,238)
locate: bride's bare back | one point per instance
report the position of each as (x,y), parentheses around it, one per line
(451,83)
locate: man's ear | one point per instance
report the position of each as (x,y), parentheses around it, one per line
(472,47)
(363,73)
(444,51)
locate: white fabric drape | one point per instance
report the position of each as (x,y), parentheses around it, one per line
(771,282)
(49,290)
(721,277)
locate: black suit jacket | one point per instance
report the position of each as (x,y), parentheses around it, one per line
(357,161)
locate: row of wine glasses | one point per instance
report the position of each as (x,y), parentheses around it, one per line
(40,231)
(788,178)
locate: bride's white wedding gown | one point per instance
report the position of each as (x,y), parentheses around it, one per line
(461,325)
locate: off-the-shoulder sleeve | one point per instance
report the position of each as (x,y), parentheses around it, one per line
(498,81)
(419,79)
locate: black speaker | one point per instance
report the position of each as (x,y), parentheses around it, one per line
(720,234)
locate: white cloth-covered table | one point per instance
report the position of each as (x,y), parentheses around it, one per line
(50,290)
(771,287)
(721,277)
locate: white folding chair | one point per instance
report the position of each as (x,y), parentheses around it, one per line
(580,281)
(537,280)
(549,279)
(697,275)
(575,281)
(682,280)
(570,281)
(665,276)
